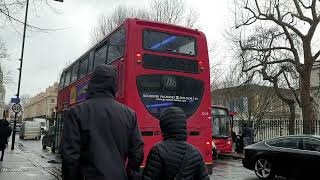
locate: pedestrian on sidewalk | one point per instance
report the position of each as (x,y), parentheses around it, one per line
(101,139)
(5,132)
(173,157)
(247,134)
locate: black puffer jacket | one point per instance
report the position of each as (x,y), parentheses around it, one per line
(165,158)
(100,134)
(5,132)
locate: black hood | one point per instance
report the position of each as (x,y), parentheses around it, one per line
(4,122)
(103,82)
(173,124)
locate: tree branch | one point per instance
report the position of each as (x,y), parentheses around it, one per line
(28,25)
(281,23)
(296,3)
(292,89)
(313,9)
(269,63)
(303,18)
(306,7)
(293,49)
(265,49)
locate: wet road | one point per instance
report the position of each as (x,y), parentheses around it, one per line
(232,169)
(41,158)
(224,168)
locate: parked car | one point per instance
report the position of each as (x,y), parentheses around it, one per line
(30,130)
(290,156)
(48,139)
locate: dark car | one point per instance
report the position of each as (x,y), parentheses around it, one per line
(48,139)
(290,156)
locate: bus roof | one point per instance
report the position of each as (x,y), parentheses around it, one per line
(139,22)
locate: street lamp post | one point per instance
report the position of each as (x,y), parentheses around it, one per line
(20,71)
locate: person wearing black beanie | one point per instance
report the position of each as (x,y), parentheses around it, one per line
(173,157)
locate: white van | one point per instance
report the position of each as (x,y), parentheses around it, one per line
(43,122)
(30,130)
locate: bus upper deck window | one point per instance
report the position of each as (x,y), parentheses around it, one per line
(169,43)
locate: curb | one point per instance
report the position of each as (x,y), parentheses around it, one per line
(232,155)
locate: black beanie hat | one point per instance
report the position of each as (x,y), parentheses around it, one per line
(173,124)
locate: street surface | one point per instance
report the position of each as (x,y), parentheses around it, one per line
(226,168)
(30,162)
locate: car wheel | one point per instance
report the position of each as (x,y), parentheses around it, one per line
(263,168)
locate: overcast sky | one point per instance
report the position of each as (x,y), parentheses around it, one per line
(46,54)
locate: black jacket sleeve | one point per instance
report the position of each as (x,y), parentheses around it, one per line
(71,146)
(9,131)
(201,173)
(153,169)
(135,151)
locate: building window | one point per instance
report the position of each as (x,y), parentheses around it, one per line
(52,101)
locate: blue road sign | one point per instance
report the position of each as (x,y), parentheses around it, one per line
(15,100)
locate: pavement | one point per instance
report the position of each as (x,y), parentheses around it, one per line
(24,163)
(230,168)
(30,162)
(232,155)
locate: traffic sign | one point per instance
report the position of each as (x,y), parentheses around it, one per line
(15,100)
(16,108)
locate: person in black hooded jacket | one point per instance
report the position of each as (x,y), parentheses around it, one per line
(101,139)
(174,158)
(5,132)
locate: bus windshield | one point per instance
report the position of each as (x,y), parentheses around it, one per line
(169,43)
(221,123)
(159,92)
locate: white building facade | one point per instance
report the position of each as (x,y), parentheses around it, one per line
(2,93)
(315,87)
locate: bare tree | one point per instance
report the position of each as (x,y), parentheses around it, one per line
(107,23)
(5,76)
(25,99)
(281,44)
(9,9)
(168,11)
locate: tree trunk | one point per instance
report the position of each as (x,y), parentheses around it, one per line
(306,103)
(292,119)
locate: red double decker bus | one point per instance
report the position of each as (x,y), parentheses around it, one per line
(221,129)
(159,66)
